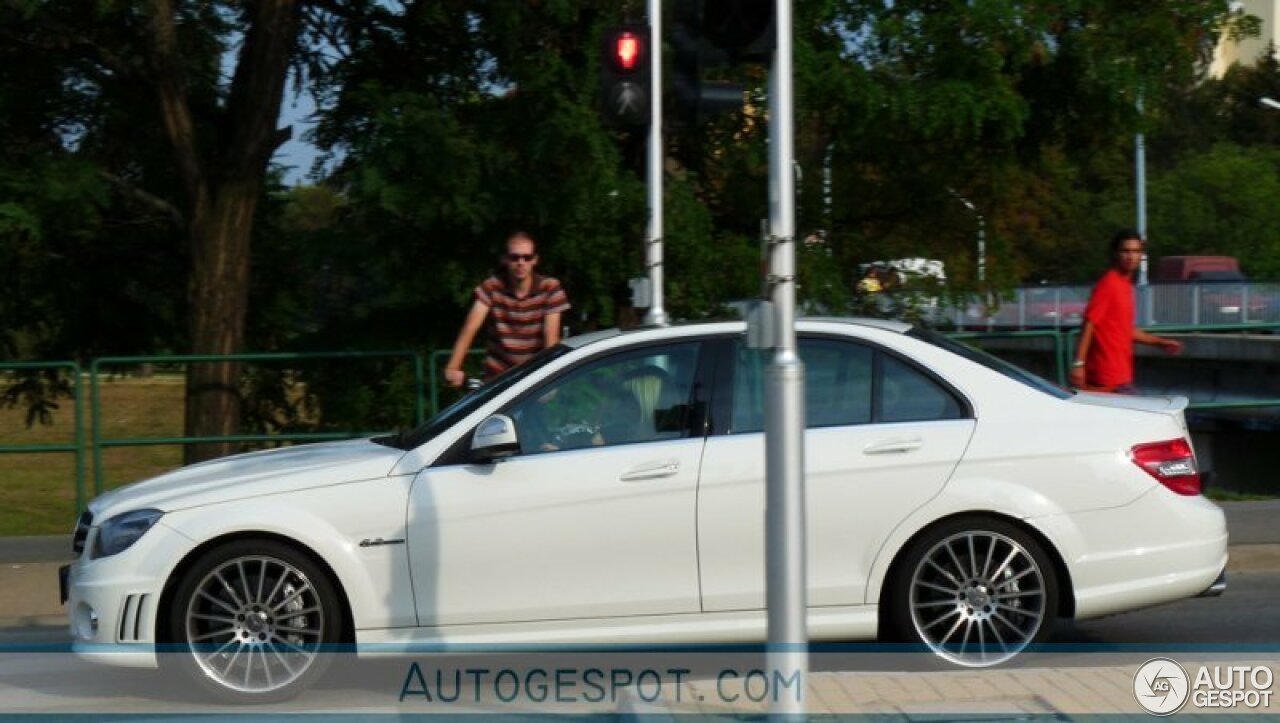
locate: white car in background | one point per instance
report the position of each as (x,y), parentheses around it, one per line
(612,491)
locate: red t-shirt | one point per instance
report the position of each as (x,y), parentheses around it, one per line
(1111,311)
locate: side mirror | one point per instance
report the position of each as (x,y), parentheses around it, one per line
(494,439)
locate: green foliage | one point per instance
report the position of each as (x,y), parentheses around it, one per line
(1225,201)
(451,124)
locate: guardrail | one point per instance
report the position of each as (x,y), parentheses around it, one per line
(76,447)
(1062,307)
(433,360)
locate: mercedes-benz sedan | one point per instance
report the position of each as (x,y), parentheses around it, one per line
(612,491)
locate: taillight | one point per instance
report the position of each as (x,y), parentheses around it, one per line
(1172,463)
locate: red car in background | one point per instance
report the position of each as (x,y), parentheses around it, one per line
(1207,290)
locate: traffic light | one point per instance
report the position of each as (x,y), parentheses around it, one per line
(710,33)
(625,87)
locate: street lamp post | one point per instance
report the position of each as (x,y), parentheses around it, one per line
(982,234)
(1140,191)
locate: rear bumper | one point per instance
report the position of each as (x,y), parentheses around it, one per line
(1218,587)
(1160,548)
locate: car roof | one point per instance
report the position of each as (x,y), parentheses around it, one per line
(690,328)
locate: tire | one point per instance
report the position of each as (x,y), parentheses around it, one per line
(976,591)
(254,621)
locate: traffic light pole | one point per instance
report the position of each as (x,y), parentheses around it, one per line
(787,650)
(657,315)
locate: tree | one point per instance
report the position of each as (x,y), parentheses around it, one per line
(223,179)
(158,63)
(1026,109)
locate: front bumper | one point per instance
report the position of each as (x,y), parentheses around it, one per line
(113,602)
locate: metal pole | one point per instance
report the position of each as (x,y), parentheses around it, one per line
(79,437)
(656,316)
(1140,180)
(95,427)
(828,222)
(787,650)
(982,249)
(982,234)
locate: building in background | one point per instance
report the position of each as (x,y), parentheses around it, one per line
(1246,51)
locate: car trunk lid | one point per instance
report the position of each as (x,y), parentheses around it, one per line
(1172,405)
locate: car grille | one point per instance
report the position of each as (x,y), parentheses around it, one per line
(82,532)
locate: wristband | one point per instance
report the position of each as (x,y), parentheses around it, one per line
(1077,364)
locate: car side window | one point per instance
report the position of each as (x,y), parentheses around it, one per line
(846,383)
(633,397)
(907,395)
(837,386)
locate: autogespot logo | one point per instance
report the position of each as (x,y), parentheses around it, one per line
(1161,686)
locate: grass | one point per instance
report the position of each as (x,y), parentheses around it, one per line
(38,491)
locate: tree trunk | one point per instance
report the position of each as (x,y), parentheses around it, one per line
(219,300)
(224,180)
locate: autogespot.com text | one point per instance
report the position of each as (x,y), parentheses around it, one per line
(433,684)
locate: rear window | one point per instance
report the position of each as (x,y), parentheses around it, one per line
(993,363)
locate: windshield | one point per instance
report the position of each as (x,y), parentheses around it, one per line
(993,363)
(466,405)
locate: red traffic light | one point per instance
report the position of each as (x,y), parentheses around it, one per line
(626,51)
(625,84)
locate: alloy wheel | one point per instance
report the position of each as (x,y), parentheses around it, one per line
(977,598)
(255,624)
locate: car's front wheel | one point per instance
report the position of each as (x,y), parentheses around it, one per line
(976,591)
(254,621)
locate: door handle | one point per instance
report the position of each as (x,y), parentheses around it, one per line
(894,446)
(651,471)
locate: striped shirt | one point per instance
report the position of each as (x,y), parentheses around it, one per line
(515,323)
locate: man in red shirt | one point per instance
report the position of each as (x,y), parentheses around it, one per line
(522,310)
(1104,359)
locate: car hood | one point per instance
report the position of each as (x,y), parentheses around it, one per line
(1166,404)
(272,471)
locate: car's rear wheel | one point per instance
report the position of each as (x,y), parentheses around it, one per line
(254,621)
(976,591)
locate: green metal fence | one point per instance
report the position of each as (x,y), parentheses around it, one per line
(434,361)
(98,442)
(77,446)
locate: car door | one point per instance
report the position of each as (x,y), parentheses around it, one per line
(593,517)
(882,437)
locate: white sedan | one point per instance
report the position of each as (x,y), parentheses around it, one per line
(612,491)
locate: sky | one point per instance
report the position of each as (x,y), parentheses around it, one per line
(298,154)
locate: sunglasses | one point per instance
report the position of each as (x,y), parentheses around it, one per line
(521,257)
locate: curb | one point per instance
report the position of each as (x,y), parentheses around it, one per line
(1253,558)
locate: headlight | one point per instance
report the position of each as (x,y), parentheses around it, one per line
(121,531)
